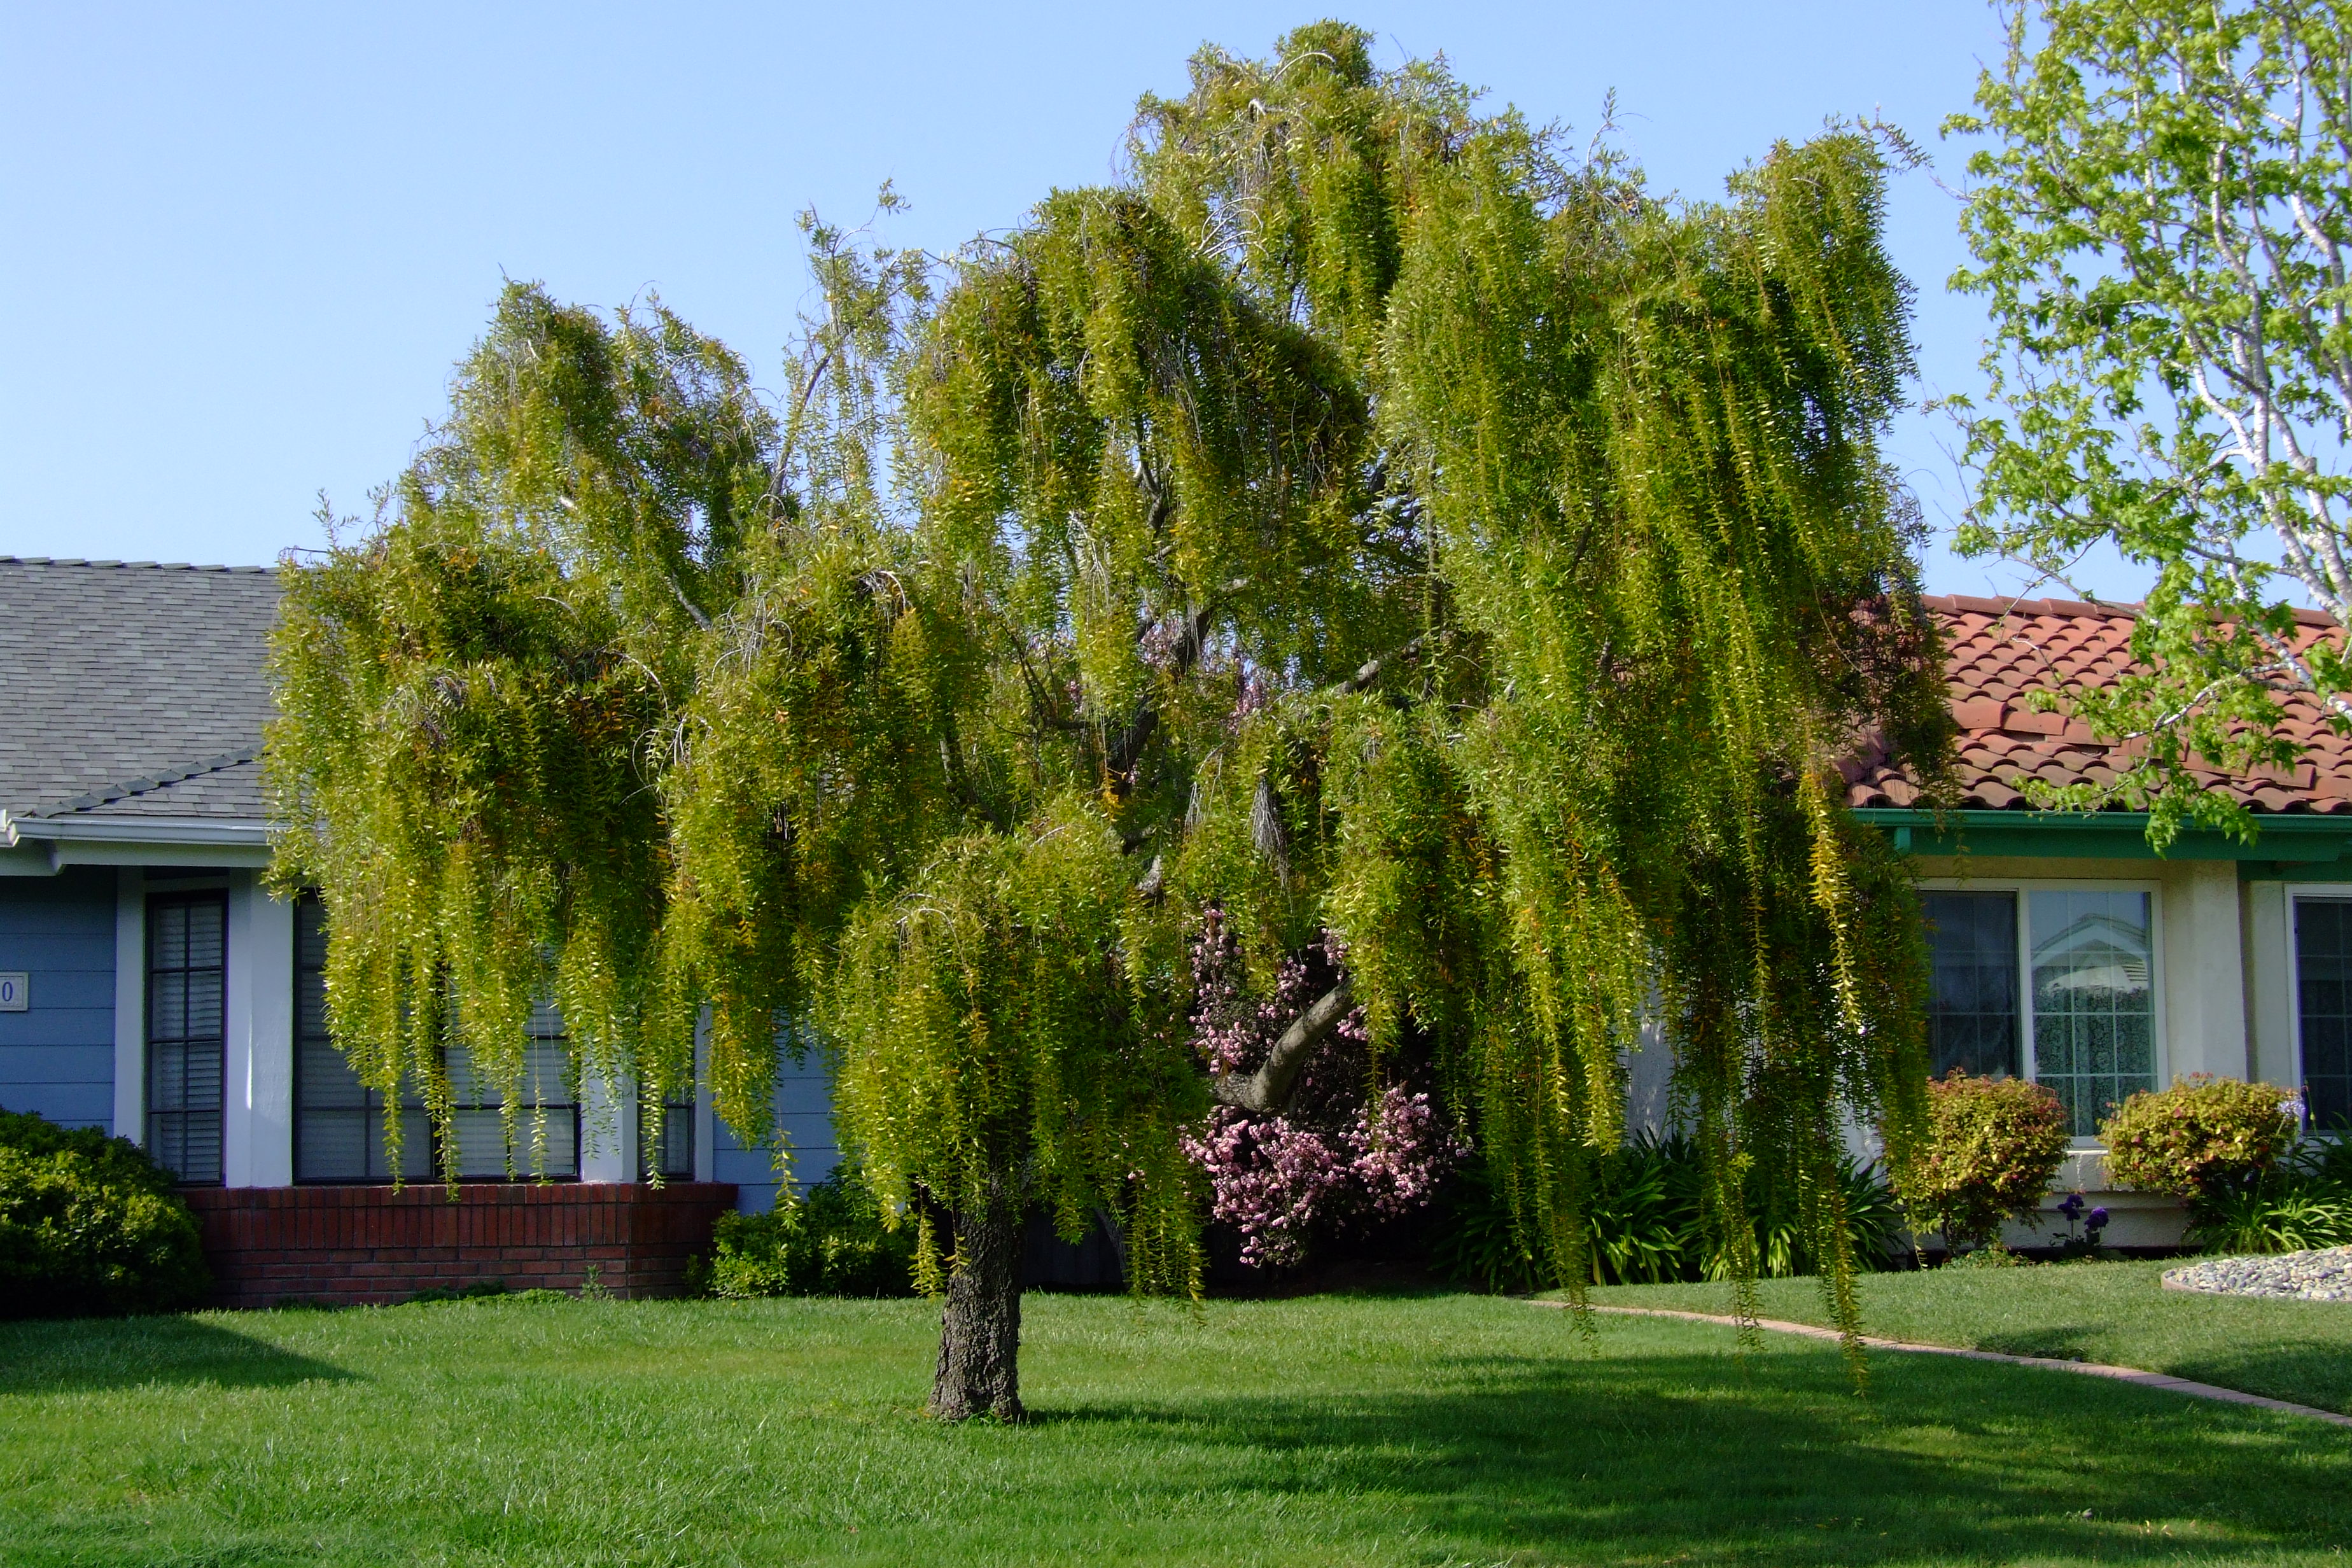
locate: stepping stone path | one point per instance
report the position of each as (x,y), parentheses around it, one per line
(2322,1276)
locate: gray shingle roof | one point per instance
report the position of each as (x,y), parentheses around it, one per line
(132,689)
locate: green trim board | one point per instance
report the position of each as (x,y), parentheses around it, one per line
(2290,847)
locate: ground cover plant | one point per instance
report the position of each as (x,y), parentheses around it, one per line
(1648,1222)
(1358,1430)
(2114,1312)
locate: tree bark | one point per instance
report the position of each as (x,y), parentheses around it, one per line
(980,1332)
(1267,1091)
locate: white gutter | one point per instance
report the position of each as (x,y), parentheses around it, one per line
(43,846)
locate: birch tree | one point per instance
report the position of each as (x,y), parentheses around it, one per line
(2160,223)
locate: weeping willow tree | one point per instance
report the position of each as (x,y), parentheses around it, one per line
(1362,522)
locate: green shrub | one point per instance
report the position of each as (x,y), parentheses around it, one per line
(834,1242)
(114,1161)
(1991,1149)
(1648,1218)
(2277,1213)
(2201,1138)
(2303,1201)
(90,1224)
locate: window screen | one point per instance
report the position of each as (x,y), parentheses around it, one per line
(339,1122)
(1972,1009)
(2094,1000)
(2323,970)
(187,970)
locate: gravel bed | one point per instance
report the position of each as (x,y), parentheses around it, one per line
(2323,1276)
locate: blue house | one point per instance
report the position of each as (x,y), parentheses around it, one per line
(150,986)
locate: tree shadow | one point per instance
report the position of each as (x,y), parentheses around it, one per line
(2317,1372)
(1774,1460)
(2058,1341)
(83,1355)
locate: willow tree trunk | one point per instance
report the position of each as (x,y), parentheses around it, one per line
(980,1334)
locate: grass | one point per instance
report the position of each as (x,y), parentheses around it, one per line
(1331,1430)
(2112,1313)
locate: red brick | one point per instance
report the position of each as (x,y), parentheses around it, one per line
(371,1244)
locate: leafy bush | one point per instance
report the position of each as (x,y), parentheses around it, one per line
(1991,1149)
(2302,1202)
(90,1224)
(833,1242)
(1648,1217)
(2278,1213)
(2201,1138)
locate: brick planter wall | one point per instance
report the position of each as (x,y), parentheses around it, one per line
(352,1245)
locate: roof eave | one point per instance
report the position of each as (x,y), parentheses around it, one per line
(2296,838)
(46,845)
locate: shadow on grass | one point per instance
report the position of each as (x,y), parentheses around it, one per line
(2317,1372)
(2066,1341)
(1703,1458)
(74,1355)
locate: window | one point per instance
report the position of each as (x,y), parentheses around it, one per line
(547,1118)
(339,1122)
(1973,1012)
(2323,975)
(2093,1001)
(187,970)
(669,1144)
(2085,1026)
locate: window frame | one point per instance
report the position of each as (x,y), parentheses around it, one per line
(2331,893)
(189,891)
(374,1107)
(2020,886)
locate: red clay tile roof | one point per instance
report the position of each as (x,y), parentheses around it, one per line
(1997,652)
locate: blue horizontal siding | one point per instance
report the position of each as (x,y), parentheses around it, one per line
(68,1104)
(60,995)
(804,1116)
(56,1064)
(57,1058)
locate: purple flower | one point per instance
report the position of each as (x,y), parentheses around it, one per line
(2095,1218)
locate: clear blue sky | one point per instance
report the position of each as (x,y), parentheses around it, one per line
(240,246)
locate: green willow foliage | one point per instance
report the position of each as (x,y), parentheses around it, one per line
(1361,519)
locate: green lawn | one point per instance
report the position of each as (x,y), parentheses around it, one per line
(2113,1313)
(1438,1429)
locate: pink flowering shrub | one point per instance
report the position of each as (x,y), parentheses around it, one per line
(1340,1155)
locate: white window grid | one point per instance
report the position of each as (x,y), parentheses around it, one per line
(2020,885)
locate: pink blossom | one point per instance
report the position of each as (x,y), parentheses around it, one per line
(1330,1160)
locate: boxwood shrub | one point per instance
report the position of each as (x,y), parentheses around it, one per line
(90,1224)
